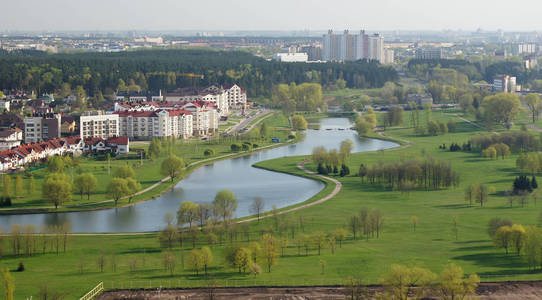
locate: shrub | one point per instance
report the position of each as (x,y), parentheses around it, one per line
(255,145)
(235,147)
(20,268)
(208,152)
(246,147)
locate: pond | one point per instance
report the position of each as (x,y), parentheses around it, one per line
(235,174)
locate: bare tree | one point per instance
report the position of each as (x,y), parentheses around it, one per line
(257,206)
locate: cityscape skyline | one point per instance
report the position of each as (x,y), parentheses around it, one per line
(318,15)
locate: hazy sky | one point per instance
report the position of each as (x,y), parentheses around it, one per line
(270,15)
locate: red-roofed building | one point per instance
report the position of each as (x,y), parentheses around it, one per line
(145,125)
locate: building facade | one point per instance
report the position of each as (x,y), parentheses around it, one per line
(42,127)
(504,84)
(429,53)
(351,47)
(98,124)
(145,125)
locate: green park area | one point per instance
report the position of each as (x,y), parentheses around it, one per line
(360,233)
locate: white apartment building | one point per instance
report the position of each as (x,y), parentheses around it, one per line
(213,94)
(236,96)
(99,124)
(205,117)
(291,57)
(145,125)
(376,47)
(351,47)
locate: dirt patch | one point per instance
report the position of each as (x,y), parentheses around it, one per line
(520,290)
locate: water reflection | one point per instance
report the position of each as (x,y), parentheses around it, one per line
(235,174)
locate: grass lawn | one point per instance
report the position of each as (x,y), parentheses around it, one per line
(432,245)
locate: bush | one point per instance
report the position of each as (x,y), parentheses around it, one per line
(235,147)
(291,137)
(20,268)
(255,145)
(321,169)
(208,152)
(246,146)
(5,201)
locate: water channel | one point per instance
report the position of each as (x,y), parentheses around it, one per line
(235,174)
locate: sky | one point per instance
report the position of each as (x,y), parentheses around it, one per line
(248,15)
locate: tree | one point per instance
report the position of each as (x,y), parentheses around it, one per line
(187,213)
(269,250)
(363,127)
(299,122)
(362,171)
(257,206)
(501,108)
(319,155)
(57,189)
(400,282)
(117,188)
(241,259)
(196,260)
(517,237)
(19,186)
(124,171)
(8,283)
(207,257)
(133,187)
(345,149)
(172,167)
(31,185)
(354,225)
(453,285)
(169,261)
(55,164)
(264,130)
(495,223)
(533,103)
(225,204)
(168,237)
(340,235)
(155,148)
(85,184)
(503,237)
(414,220)
(319,240)
(481,193)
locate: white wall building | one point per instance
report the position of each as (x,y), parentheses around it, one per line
(99,124)
(213,94)
(236,96)
(291,57)
(145,125)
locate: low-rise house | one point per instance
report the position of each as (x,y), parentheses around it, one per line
(67,125)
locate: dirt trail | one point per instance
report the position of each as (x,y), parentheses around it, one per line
(526,290)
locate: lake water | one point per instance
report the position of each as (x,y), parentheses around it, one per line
(235,174)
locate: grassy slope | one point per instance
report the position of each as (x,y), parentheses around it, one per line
(431,246)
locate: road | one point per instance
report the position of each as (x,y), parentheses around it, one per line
(243,124)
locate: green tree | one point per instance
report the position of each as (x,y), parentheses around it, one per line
(172,167)
(299,122)
(533,103)
(400,282)
(264,130)
(196,260)
(269,250)
(207,257)
(19,186)
(187,213)
(453,285)
(503,237)
(8,283)
(133,187)
(345,149)
(117,189)
(340,235)
(124,171)
(85,184)
(168,237)
(55,164)
(57,189)
(501,108)
(319,240)
(155,148)
(31,185)
(225,203)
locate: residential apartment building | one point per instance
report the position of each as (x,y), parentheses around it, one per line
(291,57)
(214,94)
(145,125)
(10,138)
(139,96)
(98,124)
(236,96)
(350,47)
(42,127)
(205,117)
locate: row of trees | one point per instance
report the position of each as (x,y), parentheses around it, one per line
(292,97)
(367,222)
(519,141)
(166,70)
(496,150)
(405,175)
(529,162)
(27,240)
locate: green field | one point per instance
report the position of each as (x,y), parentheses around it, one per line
(432,245)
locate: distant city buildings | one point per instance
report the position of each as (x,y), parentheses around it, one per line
(350,47)
(429,53)
(291,57)
(525,48)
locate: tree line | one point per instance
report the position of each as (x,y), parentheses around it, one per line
(165,69)
(405,175)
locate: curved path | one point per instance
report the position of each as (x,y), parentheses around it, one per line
(301,165)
